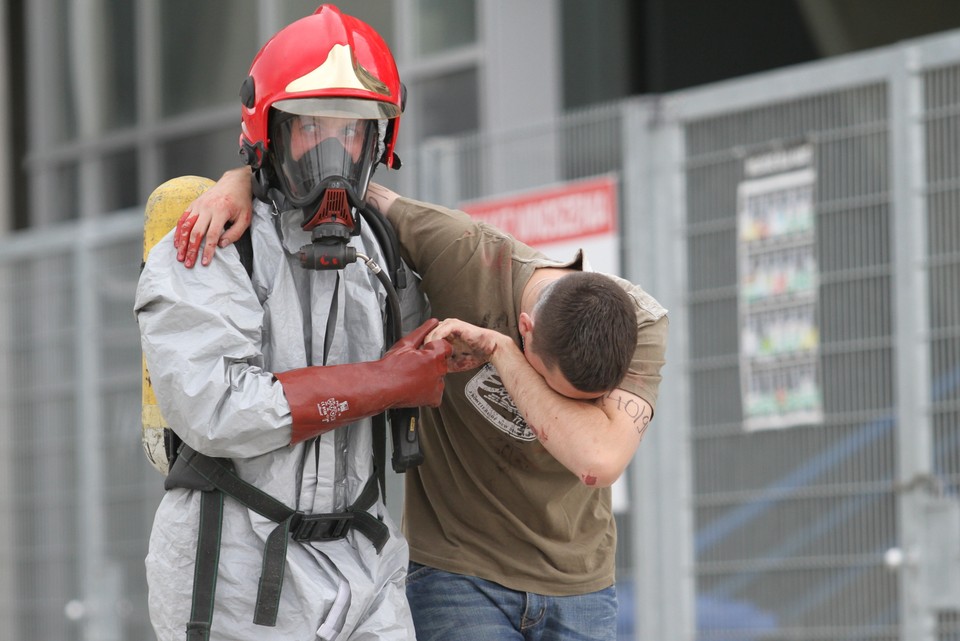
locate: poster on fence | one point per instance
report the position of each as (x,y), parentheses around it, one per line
(778,293)
(560,219)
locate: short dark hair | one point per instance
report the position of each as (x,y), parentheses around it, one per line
(586,325)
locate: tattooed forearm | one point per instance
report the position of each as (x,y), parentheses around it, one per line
(643,425)
(376,200)
(639,413)
(380,197)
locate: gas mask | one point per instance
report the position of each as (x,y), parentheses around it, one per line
(322,166)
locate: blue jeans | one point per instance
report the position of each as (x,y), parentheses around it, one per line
(457,607)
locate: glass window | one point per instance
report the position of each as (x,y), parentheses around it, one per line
(448,104)
(209,154)
(292,10)
(207,50)
(66,196)
(95,83)
(120,180)
(597,55)
(58,81)
(445,24)
(376,13)
(120,98)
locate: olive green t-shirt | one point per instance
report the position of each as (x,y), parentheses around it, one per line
(489,500)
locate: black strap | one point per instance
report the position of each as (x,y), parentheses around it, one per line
(292,524)
(205,568)
(244,246)
(271,576)
(390,247)
(380,451)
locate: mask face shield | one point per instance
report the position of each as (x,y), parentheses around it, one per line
(309,150)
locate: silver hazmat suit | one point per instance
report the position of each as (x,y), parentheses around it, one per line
(211,337)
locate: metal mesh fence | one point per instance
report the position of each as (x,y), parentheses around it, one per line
(792,524)
(79,499)
(804,532)
(942,163)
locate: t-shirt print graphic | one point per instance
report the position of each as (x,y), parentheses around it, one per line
(486,393)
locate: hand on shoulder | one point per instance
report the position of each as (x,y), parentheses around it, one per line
(217,218)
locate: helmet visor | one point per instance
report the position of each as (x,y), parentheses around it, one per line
(338,108)
(311,149)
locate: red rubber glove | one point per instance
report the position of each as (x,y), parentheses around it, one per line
(409,375)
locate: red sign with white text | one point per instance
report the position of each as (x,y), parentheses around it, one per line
(571,211)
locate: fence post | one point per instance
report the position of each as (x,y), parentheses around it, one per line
(99,576)
(661,491)
(911,322)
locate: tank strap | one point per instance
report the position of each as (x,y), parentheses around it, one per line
(215,477)
(205,570)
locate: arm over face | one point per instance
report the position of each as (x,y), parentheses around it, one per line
(593,438)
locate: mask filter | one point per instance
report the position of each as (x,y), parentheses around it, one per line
(331,225)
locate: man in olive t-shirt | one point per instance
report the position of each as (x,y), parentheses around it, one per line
(495,514)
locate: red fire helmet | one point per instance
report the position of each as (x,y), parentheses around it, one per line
(332,64)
